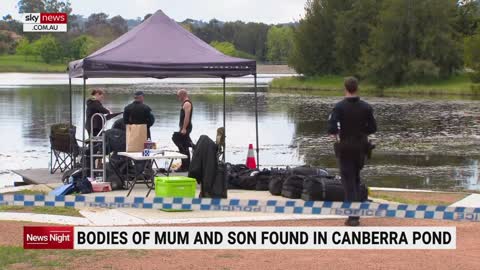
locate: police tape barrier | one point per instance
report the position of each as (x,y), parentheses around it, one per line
(266,206)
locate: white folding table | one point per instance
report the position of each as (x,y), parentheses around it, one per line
(138,156)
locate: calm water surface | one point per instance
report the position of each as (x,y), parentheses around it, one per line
(421,143)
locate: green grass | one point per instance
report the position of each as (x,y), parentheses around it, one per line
(401,199)
(18,63)
(28,192)
(41,259)
(62,211)
(459,84)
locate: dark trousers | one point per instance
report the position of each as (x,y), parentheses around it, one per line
(350,162)
(183,142)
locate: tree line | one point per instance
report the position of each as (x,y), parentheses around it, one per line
(258,41)
(388,42)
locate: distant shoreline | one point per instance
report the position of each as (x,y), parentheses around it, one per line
(20,64)
(456,85)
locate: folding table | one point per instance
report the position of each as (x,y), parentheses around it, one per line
(138,156)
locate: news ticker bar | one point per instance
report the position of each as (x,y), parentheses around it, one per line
(267,206)
(59,237)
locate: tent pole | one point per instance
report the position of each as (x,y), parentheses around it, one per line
(70,85)
(224,129)
(83,127)
(72,161)
(256,121)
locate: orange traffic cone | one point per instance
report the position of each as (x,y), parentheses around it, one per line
(251,164)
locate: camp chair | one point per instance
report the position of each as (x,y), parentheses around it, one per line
(64,148)
(220,141)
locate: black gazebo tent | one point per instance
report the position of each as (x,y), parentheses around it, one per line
(161,48)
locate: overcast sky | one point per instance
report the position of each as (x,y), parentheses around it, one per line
(267,11)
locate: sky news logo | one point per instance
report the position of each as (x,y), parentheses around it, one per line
(45,22)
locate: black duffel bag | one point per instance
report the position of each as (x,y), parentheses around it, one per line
(306,170)
(293,186)
(277,177)
(240,177)
(263,179)
(326,189)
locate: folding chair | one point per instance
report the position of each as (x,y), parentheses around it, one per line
(220,142)
(64,148)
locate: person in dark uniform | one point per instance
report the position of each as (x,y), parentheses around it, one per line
(138,113)
(94,105)
(182,138)
(350,123)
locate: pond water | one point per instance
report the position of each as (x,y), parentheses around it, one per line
(422,142)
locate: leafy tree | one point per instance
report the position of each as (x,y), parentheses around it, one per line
(58,6)
(80,47)
(249,38)
(472,56)
(95,23)
(75,25)
(228,48)
(314,50)
(48,49)
(468,17)
(407,31)
(352,33)
(9,24)
(147,16)
(31,6)
(279,43)
(119,25)
(7,42)
(24,48)
(187,27)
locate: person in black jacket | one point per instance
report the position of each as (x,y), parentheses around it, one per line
(350,123)
(138,113)
(94,105)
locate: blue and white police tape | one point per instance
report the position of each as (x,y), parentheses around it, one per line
(237,205)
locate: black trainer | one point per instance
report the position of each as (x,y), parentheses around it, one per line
(353,222)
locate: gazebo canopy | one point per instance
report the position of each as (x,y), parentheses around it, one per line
(159,48)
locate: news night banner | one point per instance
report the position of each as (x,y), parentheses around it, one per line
(44,22)
(68,237)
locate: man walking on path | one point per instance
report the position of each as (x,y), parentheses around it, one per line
(350,123)
(182,138)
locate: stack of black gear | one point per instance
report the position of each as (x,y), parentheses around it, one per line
(326,189)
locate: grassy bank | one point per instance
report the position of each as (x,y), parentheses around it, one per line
(61,211)
(456,85)
(434,198)
(18,63)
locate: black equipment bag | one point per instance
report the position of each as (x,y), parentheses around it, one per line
(306,170)
(325,189)
(240,177)
(262,180)
(277,178)
(83,186)
(293,186)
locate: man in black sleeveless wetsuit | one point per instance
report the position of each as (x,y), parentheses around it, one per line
(182,138)
(350,123)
